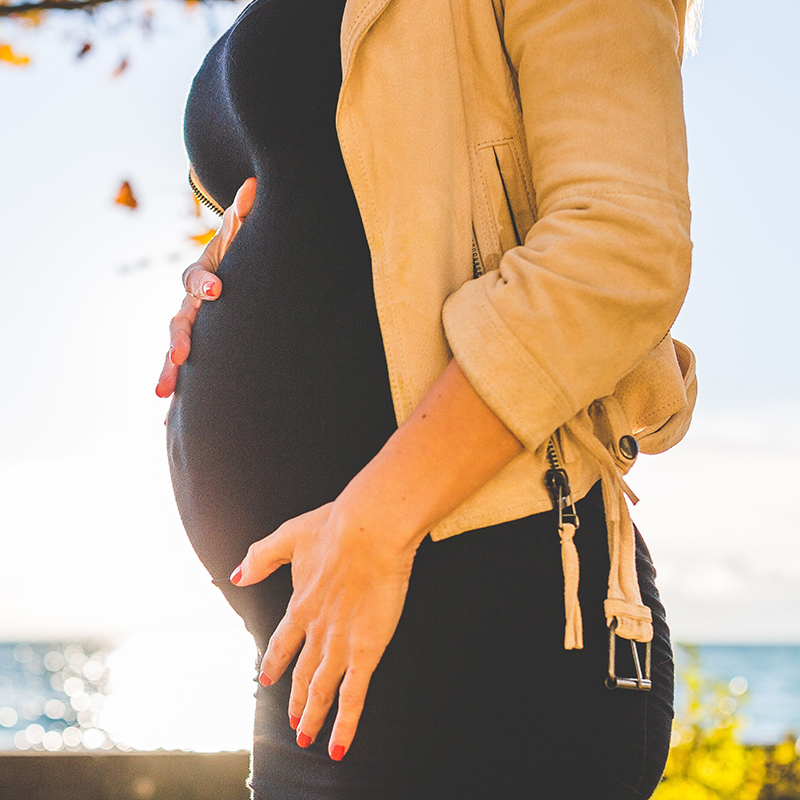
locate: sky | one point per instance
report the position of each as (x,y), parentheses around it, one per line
(91,542)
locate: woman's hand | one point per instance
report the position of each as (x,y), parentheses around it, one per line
(351,559)
(350,574)
(201,283)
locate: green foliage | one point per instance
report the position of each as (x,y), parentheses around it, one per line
(707,762)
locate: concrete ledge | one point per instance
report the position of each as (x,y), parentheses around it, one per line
(124,776)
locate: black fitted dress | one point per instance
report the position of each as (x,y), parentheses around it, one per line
(285,397)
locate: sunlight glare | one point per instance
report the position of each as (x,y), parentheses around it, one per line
(182,689)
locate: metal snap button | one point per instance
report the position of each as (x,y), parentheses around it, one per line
(629,447)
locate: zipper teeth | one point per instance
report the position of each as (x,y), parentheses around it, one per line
(203,199)
(552,453)
(477,261)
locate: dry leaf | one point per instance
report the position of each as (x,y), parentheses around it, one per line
(10,57)
(121,67)
(85,48)
(126,196)
(204,238)
(30,19)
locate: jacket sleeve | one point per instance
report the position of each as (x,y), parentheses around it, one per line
(603,271)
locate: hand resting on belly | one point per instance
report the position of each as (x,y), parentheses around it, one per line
(351,558)
(201,283)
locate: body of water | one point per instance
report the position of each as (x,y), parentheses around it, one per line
(763,680)
(152,692)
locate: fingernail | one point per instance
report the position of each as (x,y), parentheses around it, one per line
(293,722)
(337,754)
(236,575)
(158,391)
(171,354)
(264,679)
(303,739)
(208,288)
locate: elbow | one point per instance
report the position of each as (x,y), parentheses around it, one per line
(670,265)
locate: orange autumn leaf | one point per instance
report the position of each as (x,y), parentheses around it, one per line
(125,197)
(10,57)
(204,238)
(30,19)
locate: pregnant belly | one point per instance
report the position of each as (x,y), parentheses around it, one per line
(284,396)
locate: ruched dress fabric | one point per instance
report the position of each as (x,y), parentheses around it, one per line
(285,397)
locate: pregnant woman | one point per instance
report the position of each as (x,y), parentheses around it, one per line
(455,240)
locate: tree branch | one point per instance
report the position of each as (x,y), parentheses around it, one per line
(49,5)
(53,5)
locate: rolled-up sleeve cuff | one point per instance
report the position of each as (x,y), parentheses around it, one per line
(500,369)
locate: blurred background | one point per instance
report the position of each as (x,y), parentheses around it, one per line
(114,637)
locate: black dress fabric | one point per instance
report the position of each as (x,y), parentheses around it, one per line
(285,397)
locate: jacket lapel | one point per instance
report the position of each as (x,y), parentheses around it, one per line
(359,16)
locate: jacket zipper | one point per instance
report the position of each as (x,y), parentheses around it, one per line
(201,196)
(477,262)
(555,478)
(557,483)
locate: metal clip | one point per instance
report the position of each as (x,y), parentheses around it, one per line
(557,484)
(641,683)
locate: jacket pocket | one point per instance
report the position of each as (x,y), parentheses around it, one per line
(511,205)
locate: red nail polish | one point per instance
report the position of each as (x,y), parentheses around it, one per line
(236,575)
(303,739)
(208,288)
(337,754)
(158,391)
(264,680)
(293,722)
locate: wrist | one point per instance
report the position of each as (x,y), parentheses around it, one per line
(378,505)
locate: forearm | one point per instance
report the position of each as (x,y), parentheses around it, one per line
(442,454)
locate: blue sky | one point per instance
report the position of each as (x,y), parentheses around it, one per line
(91,541)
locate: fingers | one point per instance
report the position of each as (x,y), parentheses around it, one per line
(245,197)
(199,278)
(264,557)
(180,330)
(180,333)
(168,379)
(343,612)
(282,648)
(201,283)
(352,694)
(314,688)
(232,220)
(319,694)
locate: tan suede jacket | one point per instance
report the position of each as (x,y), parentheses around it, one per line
(520,167)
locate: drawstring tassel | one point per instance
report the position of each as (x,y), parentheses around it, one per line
(624,601)
(557,484)
(573,633)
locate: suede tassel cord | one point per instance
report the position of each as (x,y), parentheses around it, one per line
(624,600)
(573,634)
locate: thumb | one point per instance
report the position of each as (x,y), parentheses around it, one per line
(264,557)
(232,220)
(245,197)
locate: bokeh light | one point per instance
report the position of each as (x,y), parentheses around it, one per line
(141,694)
